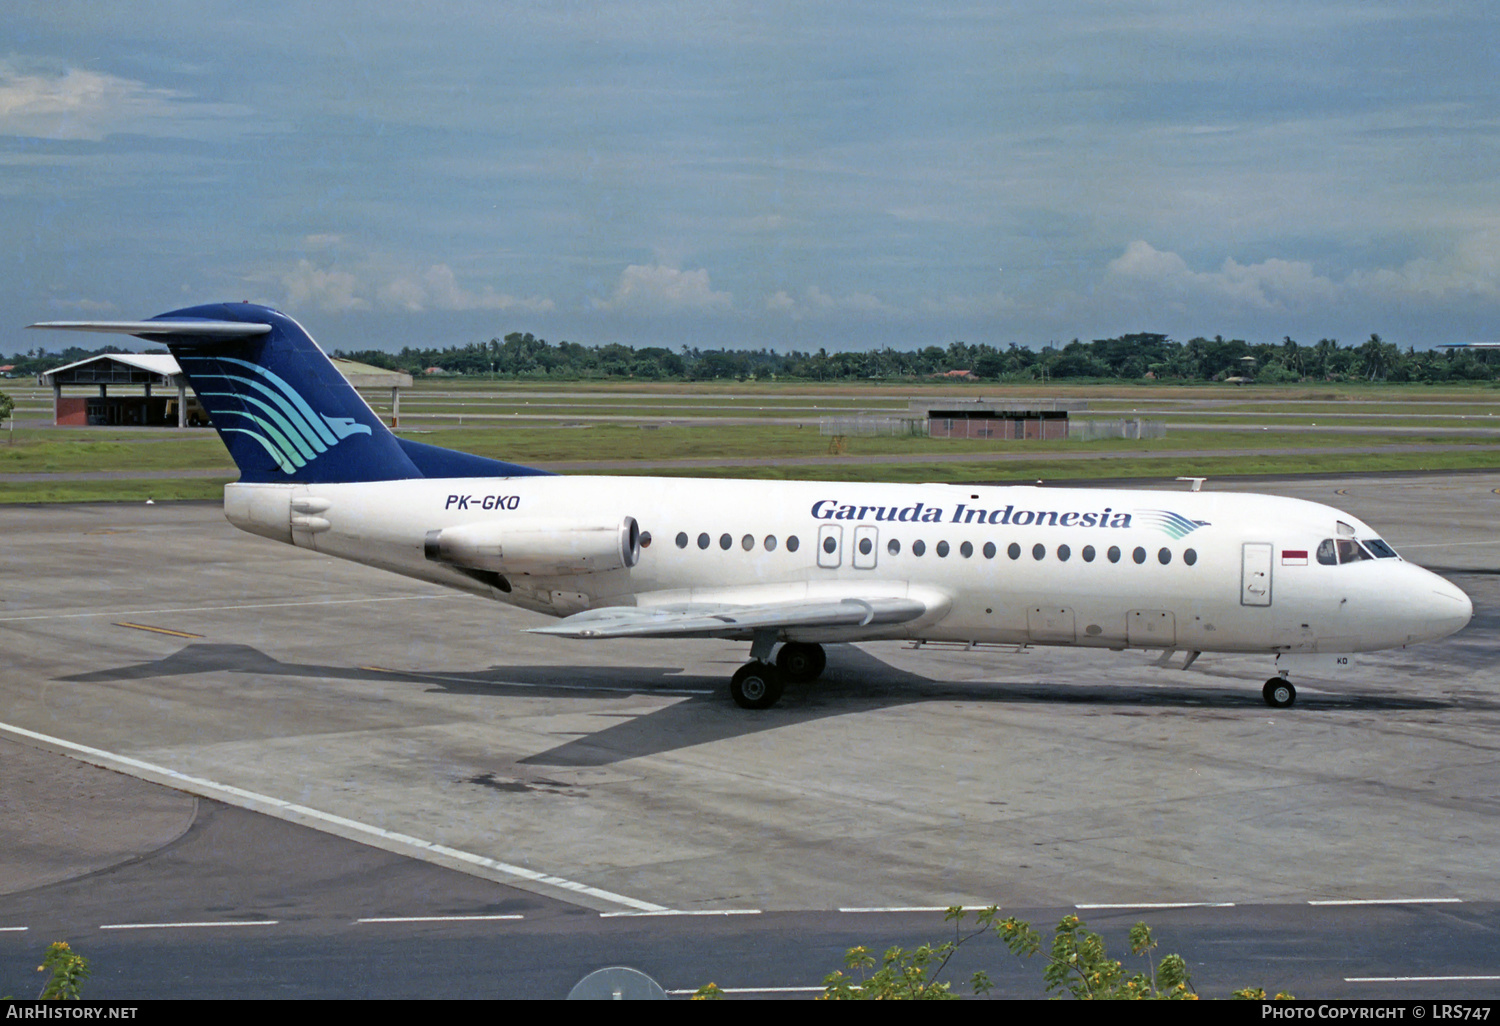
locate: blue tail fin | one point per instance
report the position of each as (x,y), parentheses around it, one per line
(285,413)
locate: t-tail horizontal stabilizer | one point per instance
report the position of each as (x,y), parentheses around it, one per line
(285,413)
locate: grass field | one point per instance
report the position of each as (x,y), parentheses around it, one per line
(574,427)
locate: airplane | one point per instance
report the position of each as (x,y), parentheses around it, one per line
(791,566)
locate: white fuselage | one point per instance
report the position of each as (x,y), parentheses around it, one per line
(1206,571)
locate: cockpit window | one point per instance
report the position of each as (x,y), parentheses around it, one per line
(1350,551)
(1347,550)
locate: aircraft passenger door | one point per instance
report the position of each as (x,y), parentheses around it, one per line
(1255,574)
(866,547)
(830,546)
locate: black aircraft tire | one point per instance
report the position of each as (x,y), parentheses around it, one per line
(801,662)
(1279,693)
(756,686)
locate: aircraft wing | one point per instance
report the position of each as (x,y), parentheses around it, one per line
(718,620)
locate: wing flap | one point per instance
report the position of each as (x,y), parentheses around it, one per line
(705,620)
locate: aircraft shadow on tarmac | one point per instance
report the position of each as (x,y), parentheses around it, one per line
(854,681)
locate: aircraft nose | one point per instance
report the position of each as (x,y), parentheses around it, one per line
(1439,609)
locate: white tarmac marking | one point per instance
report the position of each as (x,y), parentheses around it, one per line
(390,840)
(14,929)
(433,919)
(678,912)
(211,609)
(915,908)
(1163,904)
(1390,901)
(179,926)
(1415,979)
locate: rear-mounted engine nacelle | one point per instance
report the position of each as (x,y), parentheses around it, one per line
(540,548)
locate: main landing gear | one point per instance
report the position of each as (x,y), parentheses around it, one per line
(756,685)
(759,683)
(1279,693)
(800,662)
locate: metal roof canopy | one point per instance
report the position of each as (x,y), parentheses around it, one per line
(364,375)
(959,409)
(116,369)
(162,369)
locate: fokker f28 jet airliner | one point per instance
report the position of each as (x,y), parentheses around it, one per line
(797,564)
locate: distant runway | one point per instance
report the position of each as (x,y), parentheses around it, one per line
(591,779)
(715,462)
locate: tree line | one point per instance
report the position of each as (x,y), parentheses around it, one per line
(1135,357)
(1140,356)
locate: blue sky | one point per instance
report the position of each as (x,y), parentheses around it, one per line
(745,175)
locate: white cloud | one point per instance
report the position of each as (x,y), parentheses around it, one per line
(404,294)
(90,105)
(327,290)
(307,284)
(661,289)
(814,302)
(1470,270)
(437,288)
(1274,285)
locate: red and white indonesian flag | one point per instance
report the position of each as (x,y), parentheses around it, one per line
(1293,557)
